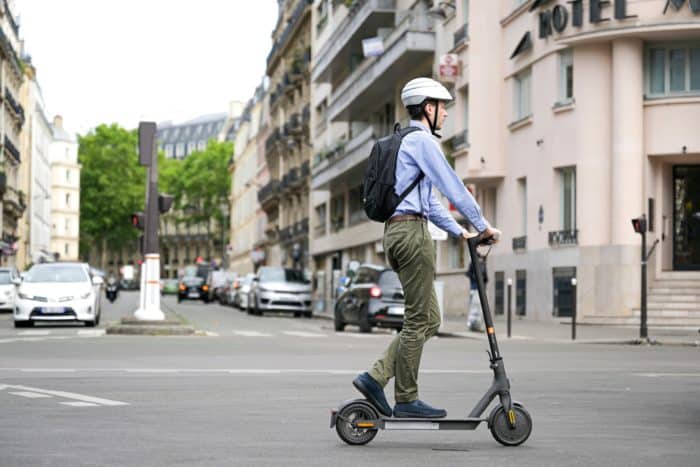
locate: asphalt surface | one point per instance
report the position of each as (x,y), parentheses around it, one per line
(258,391)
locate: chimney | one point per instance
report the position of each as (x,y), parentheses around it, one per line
(58,122)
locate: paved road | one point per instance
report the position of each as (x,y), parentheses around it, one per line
(259,389)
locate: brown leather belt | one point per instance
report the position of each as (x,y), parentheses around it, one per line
(407,218)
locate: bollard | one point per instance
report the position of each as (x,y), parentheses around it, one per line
(510,309)
(573,311)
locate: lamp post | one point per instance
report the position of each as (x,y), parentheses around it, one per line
(224,207)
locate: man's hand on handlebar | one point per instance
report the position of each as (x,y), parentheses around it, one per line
(488,236)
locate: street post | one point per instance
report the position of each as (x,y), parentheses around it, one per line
(150,269)
(510,309)
(573,310)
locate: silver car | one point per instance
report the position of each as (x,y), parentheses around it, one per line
(280,289)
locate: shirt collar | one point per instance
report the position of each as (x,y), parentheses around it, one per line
(418,124)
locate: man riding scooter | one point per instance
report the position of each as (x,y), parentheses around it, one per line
(112,289)
(409,248)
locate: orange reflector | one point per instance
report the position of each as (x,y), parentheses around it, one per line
(365,425)
(490,330)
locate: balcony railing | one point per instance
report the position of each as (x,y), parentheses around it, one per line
(15,106)
(520,243)
(320,230)
(563,237)
(11,149)
(460,140)
(13,23)
(461,35)
(302,227)
(306,116)
(305,170)
(9,51)
(267,192)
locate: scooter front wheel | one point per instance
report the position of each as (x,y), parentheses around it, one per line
(503,432)
(348,419)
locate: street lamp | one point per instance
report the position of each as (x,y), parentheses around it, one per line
(224,207)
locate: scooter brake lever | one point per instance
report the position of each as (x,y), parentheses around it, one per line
(490,356)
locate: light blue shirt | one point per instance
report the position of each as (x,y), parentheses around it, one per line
(420,152)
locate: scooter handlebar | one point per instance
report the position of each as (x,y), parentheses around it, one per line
(484,239)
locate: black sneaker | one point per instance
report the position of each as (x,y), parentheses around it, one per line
(418,409)
(373,391)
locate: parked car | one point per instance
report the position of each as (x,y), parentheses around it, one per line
(373,298)
(170,286)
(193,288)
(217,281)
(58,292)
(8,291)
(241,291)
(280,289)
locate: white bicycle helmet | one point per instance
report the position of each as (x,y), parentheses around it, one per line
(416,91)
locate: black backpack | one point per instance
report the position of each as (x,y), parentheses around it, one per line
(378,196)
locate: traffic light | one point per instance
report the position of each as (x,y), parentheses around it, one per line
(640,224)
(165,201)
(138,220)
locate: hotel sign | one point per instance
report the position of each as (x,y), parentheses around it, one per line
(678,4)
(558,18)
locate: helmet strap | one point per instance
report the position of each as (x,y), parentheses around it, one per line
(433,123)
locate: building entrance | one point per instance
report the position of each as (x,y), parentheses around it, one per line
(686,217)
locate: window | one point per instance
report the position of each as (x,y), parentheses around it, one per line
(365,276)
(520,292)
(566,76)
(67,199)
(521,104)
(673,69)
(321,220)
(563,292)
(180,150)
(522,195)
(357,211)
(567,200)
(68,175)
(465,12)
(498,302)
(67,226)
(66,249)
(169,151)
(337,213)
(202,145)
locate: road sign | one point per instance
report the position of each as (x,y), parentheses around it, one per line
(448,69)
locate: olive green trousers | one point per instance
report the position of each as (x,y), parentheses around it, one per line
(409,249)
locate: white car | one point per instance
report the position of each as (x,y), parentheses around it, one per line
(58,292)
(8,289)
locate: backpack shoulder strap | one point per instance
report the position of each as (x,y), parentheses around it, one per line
(402,133)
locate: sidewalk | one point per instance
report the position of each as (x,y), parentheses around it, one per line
(560,331)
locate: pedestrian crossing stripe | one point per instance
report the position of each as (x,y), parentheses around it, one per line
(251,334)
(304,334)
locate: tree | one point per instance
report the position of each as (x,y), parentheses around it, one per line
(112,187)
(201,183)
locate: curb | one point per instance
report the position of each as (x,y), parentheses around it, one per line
(173,325)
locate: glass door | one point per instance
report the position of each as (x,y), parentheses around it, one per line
(686,217)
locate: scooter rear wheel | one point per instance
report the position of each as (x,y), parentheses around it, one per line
(347,419)
(502,431)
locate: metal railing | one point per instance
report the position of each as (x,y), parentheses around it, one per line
(11,148)
(460,140)
(563,237)
(268,191)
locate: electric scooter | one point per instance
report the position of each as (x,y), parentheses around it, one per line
(358,421)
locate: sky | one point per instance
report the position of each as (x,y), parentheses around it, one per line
(123,61)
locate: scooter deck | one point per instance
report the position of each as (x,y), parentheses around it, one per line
(391,423)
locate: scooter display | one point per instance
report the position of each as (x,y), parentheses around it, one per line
(358,421)
(111,292)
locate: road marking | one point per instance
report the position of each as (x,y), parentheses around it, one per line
(362,336)
(91,332)
(34,333)
(662,375)
(304,334)
(70,395)
(80,404)
(251,334)
(31,395)
(48,370)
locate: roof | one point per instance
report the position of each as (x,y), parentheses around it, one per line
(59,134)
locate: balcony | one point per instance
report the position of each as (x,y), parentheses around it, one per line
(17,109)
(286,234)
(343,159)
(299,13)
(301,228)
(11,149)
(346,40)
(461,36)
(375,79)
(13,202)
(294,126)
(268,194)
(563,238)
(8,51)
(290,180)
(306,116)
(300,64)
(320,230)
(305,171)
(520,243)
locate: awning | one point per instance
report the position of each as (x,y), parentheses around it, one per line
(524,45)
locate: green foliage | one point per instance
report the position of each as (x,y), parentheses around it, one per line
(112,186)
(199,183)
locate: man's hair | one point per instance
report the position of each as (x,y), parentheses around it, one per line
(415,111)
